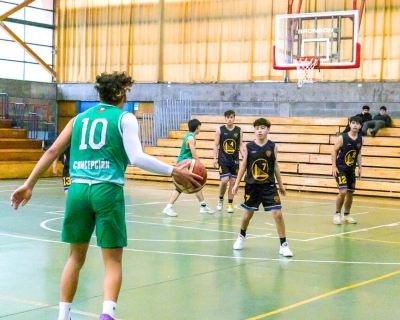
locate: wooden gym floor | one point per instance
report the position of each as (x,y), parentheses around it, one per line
(185,268)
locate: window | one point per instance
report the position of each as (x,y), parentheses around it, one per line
(34,25)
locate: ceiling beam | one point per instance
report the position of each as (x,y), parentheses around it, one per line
(27,49)
(15,9)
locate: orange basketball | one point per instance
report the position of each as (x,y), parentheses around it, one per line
(196,167)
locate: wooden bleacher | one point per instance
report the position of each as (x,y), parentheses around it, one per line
(18,154)
(305,146)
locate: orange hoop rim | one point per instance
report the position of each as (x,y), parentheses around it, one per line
(308,60)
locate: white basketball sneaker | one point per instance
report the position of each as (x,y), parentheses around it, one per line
(238,245)
(285,251)
(220,205)
(206,209)
(170,212)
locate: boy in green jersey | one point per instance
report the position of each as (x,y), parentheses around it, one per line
(188,151)
(103,139)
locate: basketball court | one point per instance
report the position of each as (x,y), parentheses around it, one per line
(185,267)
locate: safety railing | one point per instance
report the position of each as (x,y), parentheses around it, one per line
(170,114)
(17,114)
(4,106)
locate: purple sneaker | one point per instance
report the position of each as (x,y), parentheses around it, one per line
(105,316)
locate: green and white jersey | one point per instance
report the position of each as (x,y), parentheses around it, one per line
(186,153)
(97,149)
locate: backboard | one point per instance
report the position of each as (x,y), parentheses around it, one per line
(331,36)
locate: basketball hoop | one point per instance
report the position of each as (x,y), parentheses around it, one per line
(305,69)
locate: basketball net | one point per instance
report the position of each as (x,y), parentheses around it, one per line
(305,69)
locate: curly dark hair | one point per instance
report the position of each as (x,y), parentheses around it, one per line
(112,87)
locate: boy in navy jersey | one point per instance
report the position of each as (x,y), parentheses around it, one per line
(261,163)
(345,156)
(65,173)
(228,143)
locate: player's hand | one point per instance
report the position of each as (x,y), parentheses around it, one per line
(21,196)
(181,173)
(282,190)
(359,174)
(235,188)
(215,163)
(335,171)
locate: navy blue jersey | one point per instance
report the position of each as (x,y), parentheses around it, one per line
(229,142)
(348,152)
(65,158)
(260,163)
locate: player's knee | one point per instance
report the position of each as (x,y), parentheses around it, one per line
(224,180)
(277,214)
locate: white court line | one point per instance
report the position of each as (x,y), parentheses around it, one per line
(223,257)
(32,204)
(38,185)
(250,236)
(160,202)
(380,208)
(11,191)
(40,304)
(56,212)
(318,215)
(395,224)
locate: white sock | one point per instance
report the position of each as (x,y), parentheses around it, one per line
(169,205)
(109,307)
(65,308)
(203,203)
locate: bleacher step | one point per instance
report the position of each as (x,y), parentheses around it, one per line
(21,154)
(20,169)
(20,144)
(5,123)
(10,133)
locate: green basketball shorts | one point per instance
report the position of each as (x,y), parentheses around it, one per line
(99,205)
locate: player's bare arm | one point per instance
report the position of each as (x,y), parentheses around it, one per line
(23,194)
(336,147)
(242,146)
(215,148)
(242,170)
(192,147)
(277,172)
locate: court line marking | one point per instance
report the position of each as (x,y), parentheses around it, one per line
(318,215)
(41,304)
(216,256)
(33,204)
(11,191)
(19,185)
(295,305)
(250,236)
(395,224)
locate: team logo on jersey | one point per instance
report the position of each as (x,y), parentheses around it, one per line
(358,145)
(101,109)
(235,135)
(259,169)
(350,158)
(268,153)
(277,199)
(229,146)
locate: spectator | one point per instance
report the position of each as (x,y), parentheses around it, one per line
(381,120)
(364,116)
